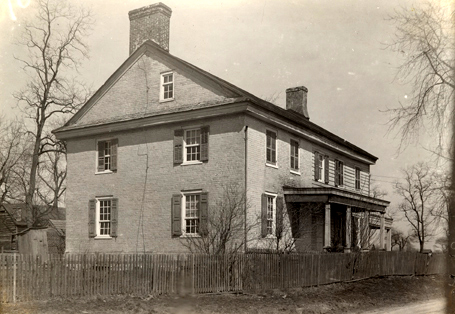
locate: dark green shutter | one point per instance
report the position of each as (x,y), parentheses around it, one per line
(203,220)
(316,166)
(114,150)
(264,215)
(279,216)
(205,143)
(178,146)
(326,169)
(101,155)
(176,215)
(114,217)
(91,218)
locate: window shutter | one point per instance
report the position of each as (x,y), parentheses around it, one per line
(205,143)
(114,146)
(101,156)
(326,169)
(341,174)
(279,216)
(264,215)
(114,217)
(178,146)
(176,215)
(316,166)
(337,173)
(91,218)
(203,220)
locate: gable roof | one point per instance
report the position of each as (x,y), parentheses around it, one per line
(235,93)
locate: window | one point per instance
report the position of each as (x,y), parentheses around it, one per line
(294,155)
(103,217)
(321,167)
(271,147)
(191,146)
(107,155)
(338,173)
(167,86)
(271,204)
(357,178)
(189,213)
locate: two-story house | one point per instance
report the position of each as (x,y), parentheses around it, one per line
(150,152)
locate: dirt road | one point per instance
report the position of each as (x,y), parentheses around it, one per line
(436,306)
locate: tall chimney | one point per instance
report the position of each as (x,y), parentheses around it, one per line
(150,22)
(296,99)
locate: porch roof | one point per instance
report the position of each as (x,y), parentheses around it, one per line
(334,195)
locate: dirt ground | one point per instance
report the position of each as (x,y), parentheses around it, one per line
(354,297)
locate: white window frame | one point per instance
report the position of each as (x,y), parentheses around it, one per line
(294,170)
(270,163)
(97,155)
(98,220)
(273,196)
(185,146)
(321,167)
(163,84)
(183,213)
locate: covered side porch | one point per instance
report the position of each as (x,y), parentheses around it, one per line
(336,220)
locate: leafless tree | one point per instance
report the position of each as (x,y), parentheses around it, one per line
(417,192)
(399,239)
(376,192)
(425,39)
(442,193)
(225,229)
(14,151)
(54,40)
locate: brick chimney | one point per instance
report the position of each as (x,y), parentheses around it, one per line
(296,99)
(150,22)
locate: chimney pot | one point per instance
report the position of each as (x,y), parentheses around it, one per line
(150,23)
(296,100)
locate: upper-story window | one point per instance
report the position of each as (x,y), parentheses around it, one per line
(321,167)
(107,155)
(338,173)
(167,86)
(357,178)
(271,147)
(191,145)
(294,155)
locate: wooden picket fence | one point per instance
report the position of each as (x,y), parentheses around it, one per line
(24,278)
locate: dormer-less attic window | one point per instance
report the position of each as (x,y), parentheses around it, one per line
(167,86)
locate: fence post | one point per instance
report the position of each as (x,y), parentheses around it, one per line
(14,277)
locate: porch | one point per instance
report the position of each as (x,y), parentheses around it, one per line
(336,220)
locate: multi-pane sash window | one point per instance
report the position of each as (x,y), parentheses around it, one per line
(107,155)
(357,178)
(104,217)
(191,221)
(271,147)
(193,144)
(294,155)
(270,214)
(338,173)
(167,87)
(320,165)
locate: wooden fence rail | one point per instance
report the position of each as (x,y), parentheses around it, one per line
(24,278)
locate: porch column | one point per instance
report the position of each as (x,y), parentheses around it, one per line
(327,226)
(389,239)
(381,232)
(347,249)
(366,230)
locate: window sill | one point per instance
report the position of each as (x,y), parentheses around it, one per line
(102,237)
(190,236)
(295,172)
(188,163)
(271,165)
(104,172)
(166,100)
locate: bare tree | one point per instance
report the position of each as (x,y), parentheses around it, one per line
(224,233)
(13,155)
(376,192)
(443,193)
(54,40)
(424,37)
(417,192)
(399,239)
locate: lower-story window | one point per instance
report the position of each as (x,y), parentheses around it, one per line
(270,214)
(103,217)
(190,213)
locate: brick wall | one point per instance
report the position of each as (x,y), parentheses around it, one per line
(226,164)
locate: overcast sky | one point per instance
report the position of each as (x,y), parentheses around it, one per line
(337,49)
